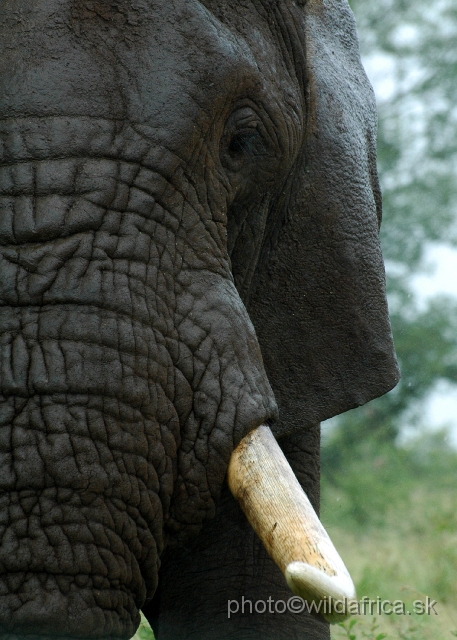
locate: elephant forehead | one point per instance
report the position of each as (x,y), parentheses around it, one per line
(170,66)
(45,72)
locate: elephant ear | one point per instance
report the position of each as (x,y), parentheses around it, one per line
(317,298)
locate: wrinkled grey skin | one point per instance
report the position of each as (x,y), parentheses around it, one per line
(180,182)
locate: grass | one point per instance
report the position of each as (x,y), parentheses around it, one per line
(402,543)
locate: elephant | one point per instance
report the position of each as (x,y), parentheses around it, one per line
(189,249)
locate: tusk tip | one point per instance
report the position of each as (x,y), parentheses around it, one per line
(331,594)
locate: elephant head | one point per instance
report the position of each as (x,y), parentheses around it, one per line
(189,214)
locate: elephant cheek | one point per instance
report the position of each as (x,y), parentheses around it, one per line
(231,395)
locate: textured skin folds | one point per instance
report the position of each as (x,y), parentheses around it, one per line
(128,361)
(188,213)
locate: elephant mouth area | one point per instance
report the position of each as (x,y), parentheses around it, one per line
(57,607)
(82,533)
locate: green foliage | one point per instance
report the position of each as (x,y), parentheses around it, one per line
(380,479)
(355,630)
(417,161)
(371,633)
(144,631)
(391,509)
(392,514)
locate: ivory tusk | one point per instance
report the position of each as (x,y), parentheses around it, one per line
(279,511)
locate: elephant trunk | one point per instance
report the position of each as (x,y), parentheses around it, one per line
(129,368)
(263,482)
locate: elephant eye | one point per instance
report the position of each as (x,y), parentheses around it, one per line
(246,142)
(243,142)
